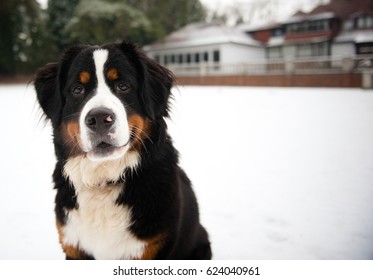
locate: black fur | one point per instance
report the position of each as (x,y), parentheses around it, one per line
(158,192)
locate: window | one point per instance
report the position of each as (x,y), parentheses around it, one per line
(157,58)
(364,22)
(196,57)
(188,58)
(275,52)
(317,49)
(277,32)
(369,22)
(172,58)
(165,60)
(304,50)
(360,23)
(364,48)
(309,26)
(205,56)
(327,25)
(320,49)
(216,56)
(180,59)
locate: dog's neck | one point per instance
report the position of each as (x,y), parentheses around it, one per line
(84,173)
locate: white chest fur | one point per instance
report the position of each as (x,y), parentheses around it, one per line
(100,227)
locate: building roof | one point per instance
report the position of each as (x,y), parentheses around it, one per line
(344,8)
(250,27)
(309,17)
(202,34)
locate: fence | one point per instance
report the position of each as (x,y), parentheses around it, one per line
(294,66)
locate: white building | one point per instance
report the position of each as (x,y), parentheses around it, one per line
(356,36)
(332,38)
(203,47)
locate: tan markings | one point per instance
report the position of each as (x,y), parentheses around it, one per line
(84,77)
(71,136)
(140,129)
(112,74)
(70,251)
(73,129)
(152,248)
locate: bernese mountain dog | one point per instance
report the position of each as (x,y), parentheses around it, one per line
(120,191)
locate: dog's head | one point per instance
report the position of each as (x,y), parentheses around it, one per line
(102,100)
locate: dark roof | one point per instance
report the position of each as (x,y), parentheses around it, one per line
(345,8)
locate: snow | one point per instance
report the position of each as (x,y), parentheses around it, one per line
(202,34)
(280,173)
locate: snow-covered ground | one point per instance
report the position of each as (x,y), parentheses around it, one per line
(280,173)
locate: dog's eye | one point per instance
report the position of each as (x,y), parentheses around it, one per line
(122,87)
(77,89)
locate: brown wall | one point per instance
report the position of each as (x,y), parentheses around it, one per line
(330,80)
(262,35)
(301,37)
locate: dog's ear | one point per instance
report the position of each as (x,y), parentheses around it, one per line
(48,83)
(155,81)
(45,84)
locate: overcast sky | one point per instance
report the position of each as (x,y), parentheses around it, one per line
(304,4)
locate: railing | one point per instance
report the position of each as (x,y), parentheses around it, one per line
(314,65)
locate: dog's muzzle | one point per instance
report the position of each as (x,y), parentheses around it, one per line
(103,137)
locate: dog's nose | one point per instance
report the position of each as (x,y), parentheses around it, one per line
(100,119)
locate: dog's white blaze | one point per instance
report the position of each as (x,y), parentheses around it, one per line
(105,98)
(99,226)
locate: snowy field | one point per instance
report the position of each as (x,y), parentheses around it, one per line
(280,173)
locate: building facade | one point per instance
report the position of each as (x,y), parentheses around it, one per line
(356,36)
(301,36)
(337,37)
(202,48)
